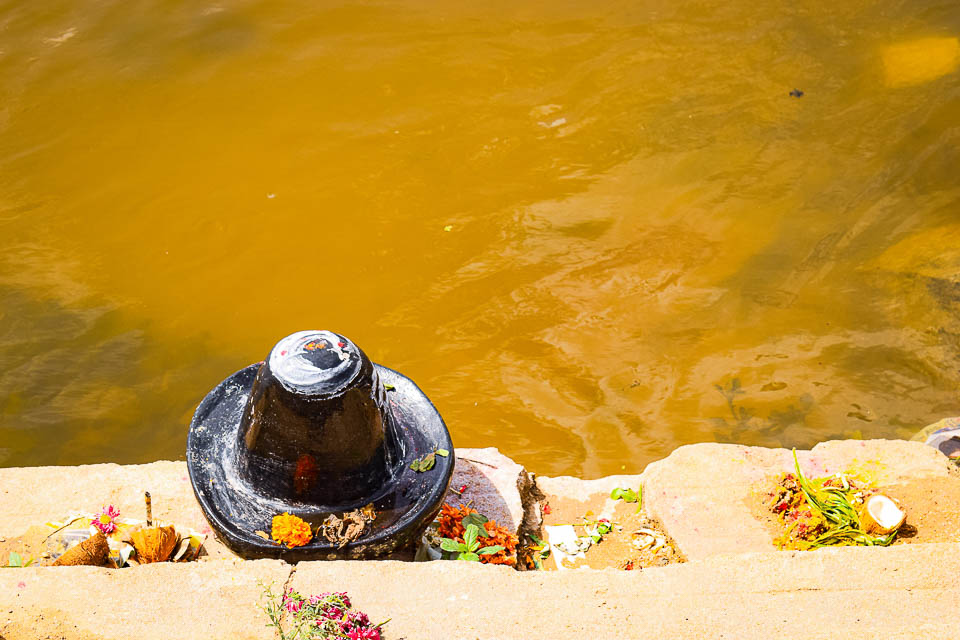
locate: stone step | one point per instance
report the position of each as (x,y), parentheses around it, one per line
(896,592)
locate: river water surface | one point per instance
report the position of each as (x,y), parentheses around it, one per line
(590,231)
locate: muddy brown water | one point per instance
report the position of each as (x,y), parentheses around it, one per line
(591,232)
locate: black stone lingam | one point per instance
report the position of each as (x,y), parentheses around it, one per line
(317,429)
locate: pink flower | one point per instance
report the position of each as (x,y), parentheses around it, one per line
(358,619)
(105,521)
(294,605)
(364,634)
(331,613)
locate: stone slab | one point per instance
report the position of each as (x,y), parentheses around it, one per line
(898,592)
(208,600)
(706,494)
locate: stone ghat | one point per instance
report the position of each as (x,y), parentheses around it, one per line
(735,584)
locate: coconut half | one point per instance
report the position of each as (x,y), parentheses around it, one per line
(881,515)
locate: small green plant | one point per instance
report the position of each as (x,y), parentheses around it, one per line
(469,549)
(629,495)
(17,561)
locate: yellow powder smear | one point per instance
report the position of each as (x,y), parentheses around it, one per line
(918,61)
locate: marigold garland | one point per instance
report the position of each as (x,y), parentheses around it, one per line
(291,530)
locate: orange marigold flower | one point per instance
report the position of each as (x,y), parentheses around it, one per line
(291,530)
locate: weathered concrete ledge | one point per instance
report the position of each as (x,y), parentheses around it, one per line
(735,586)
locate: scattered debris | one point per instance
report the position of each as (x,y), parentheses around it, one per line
(620,535)
(537,552)
(350,527)
(127,541)
(796,93)
(832,511)
(566,542)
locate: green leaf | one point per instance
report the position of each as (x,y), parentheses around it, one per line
(427,462)
(478,520)
(627,495)
(15,560)
(489,551)
(475,518)
(448,544)
(470,535)
(470,557)
(415,465)
(389,387)
(442,453)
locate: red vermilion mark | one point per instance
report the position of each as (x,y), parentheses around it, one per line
(305,475)
(284,352)
(21,584)
(547,509)
(341,344)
